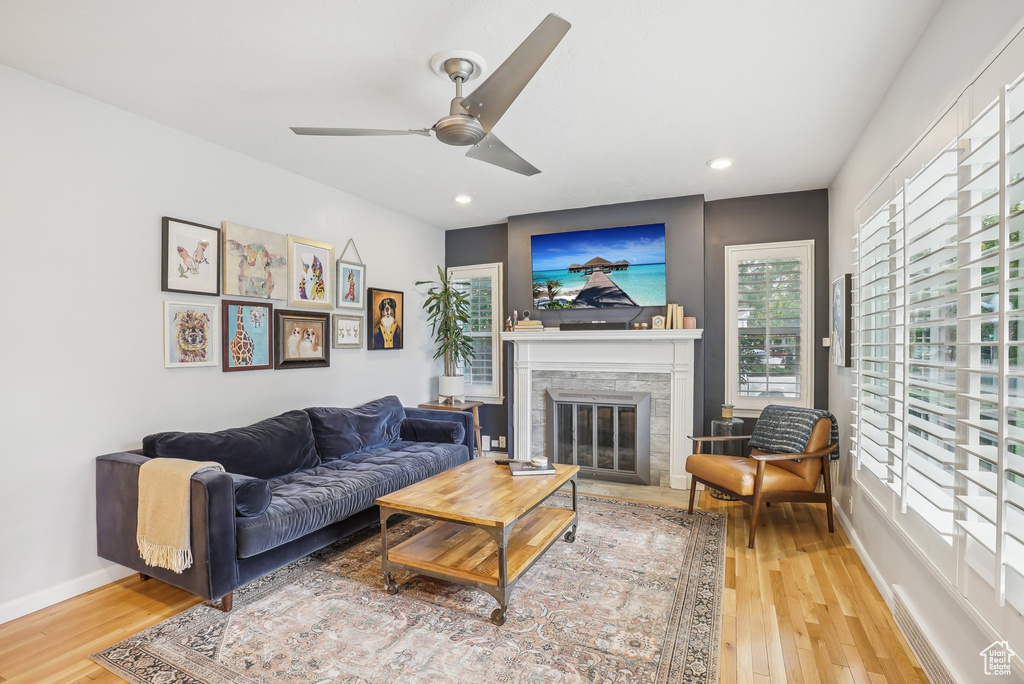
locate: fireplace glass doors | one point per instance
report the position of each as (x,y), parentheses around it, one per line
(607,434)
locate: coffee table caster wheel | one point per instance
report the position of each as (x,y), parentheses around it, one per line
(570,536)
(498,616)
(390,585)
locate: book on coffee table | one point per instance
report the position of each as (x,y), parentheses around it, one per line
(523,467)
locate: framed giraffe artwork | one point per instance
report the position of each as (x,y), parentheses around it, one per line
(310,276)
(247,336)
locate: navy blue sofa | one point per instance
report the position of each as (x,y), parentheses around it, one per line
(294,484)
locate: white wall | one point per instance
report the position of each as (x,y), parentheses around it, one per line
(83,186)
(961,38)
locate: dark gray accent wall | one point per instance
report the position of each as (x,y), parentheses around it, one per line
(684,245)
(486,245)
(750,220)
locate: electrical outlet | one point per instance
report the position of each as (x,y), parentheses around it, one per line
(485,442)
(501,442)
(826,341)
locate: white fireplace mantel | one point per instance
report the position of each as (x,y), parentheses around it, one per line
(648,351)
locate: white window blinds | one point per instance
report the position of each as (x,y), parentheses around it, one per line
(938,344)
(483,373)
(769,293)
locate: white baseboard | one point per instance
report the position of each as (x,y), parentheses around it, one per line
(883,588)
(23,605)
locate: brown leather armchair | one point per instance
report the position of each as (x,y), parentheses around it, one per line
(767,477)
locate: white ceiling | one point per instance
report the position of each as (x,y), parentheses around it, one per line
(632,104)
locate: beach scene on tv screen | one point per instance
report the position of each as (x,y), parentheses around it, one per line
(597,269)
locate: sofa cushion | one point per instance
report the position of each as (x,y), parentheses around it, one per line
(343,431)
(252,495)
(426,430)
(308,500)
(272,447)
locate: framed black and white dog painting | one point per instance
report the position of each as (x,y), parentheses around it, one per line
(384,319)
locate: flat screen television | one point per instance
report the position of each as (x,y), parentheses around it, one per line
(600,269)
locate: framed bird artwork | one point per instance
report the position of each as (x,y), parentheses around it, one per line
(191,258)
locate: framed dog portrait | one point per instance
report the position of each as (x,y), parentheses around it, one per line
(190,258)
(310,281)
(384,319)
(348,332)
(247,334)
(255,262)
(301,339)
(190,336)
(351,282)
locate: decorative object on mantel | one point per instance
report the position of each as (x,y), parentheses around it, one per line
(726,426)
(842,308)
(508,324)
(351,280)
(297,616)
(658,323)
(190,260)
(448,312)
(689,323)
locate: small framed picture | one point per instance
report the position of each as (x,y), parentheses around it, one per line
(310,281)
(190,338)
(384,318)
(301,339)
(351,285)
(658,323)
(247,334)
(255,262)
(348,332)
(842,309)
(191,258)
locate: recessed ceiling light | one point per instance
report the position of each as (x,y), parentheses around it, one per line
(720,163)
(463,199)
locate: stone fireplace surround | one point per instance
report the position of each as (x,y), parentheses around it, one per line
(655,361)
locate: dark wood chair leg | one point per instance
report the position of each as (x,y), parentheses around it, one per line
(693,492)
(758,480)
(827,472)
(144,578)
(225,603)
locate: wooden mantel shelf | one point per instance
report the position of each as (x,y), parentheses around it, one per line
(602,335)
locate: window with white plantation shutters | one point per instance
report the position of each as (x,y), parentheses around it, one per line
(483,284)
(769,297)
(939,351)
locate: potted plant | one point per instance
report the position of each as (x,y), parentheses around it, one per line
(448,312)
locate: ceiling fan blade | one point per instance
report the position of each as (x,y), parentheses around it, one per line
(493,97)
(493,151)
(357,131)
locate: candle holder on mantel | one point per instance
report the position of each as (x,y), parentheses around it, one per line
(726,426)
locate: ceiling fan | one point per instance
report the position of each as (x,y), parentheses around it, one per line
(471,118)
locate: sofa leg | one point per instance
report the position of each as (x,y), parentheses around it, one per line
(144,578)
(225,603)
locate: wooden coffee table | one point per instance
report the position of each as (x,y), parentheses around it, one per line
(491,526)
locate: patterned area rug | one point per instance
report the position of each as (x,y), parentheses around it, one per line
(637,598)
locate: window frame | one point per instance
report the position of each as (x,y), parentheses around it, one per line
(494,393)
(751,407)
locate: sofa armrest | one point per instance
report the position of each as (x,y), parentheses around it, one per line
(213,572)
(464,417)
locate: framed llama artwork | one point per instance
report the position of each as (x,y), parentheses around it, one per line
(310,280)
(351,285)
(247,334)
(190,335)
(255,262)
(190,258)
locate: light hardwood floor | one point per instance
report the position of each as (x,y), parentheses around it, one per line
(800,607)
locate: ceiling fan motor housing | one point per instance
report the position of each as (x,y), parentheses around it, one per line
(459,130)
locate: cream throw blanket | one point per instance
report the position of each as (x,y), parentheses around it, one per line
(165,505)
